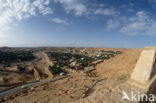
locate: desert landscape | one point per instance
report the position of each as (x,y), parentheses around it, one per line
(95,80)
(77,51)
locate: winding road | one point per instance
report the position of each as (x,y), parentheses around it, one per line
(29,85)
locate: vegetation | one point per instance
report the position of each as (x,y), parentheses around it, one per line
(79,61)
(21,68)
(91,74)
(65,59)
(111,52)
(55,70)
(12,57)
(123,77)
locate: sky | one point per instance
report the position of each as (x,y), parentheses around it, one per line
(84,23)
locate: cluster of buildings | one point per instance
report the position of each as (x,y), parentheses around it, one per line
(79,59)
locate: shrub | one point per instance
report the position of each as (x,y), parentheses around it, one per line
(55,70)
(6,57)
(20,68)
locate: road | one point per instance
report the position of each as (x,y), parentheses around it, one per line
(29,85)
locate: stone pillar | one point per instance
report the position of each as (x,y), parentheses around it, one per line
(143,75)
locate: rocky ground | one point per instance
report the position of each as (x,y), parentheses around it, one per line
(115,72)
(79,88)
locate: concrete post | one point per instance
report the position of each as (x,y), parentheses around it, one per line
(143,75)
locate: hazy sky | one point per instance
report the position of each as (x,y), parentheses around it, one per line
(103,23)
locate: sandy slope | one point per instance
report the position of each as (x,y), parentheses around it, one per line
(119,65)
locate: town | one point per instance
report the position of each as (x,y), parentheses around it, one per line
(78,59)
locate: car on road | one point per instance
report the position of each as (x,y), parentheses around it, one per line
(24,87)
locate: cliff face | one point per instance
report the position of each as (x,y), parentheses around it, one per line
(43,64)
(39,68)
(36,74)
(16,74)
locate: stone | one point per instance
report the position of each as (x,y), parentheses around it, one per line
(143,75)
